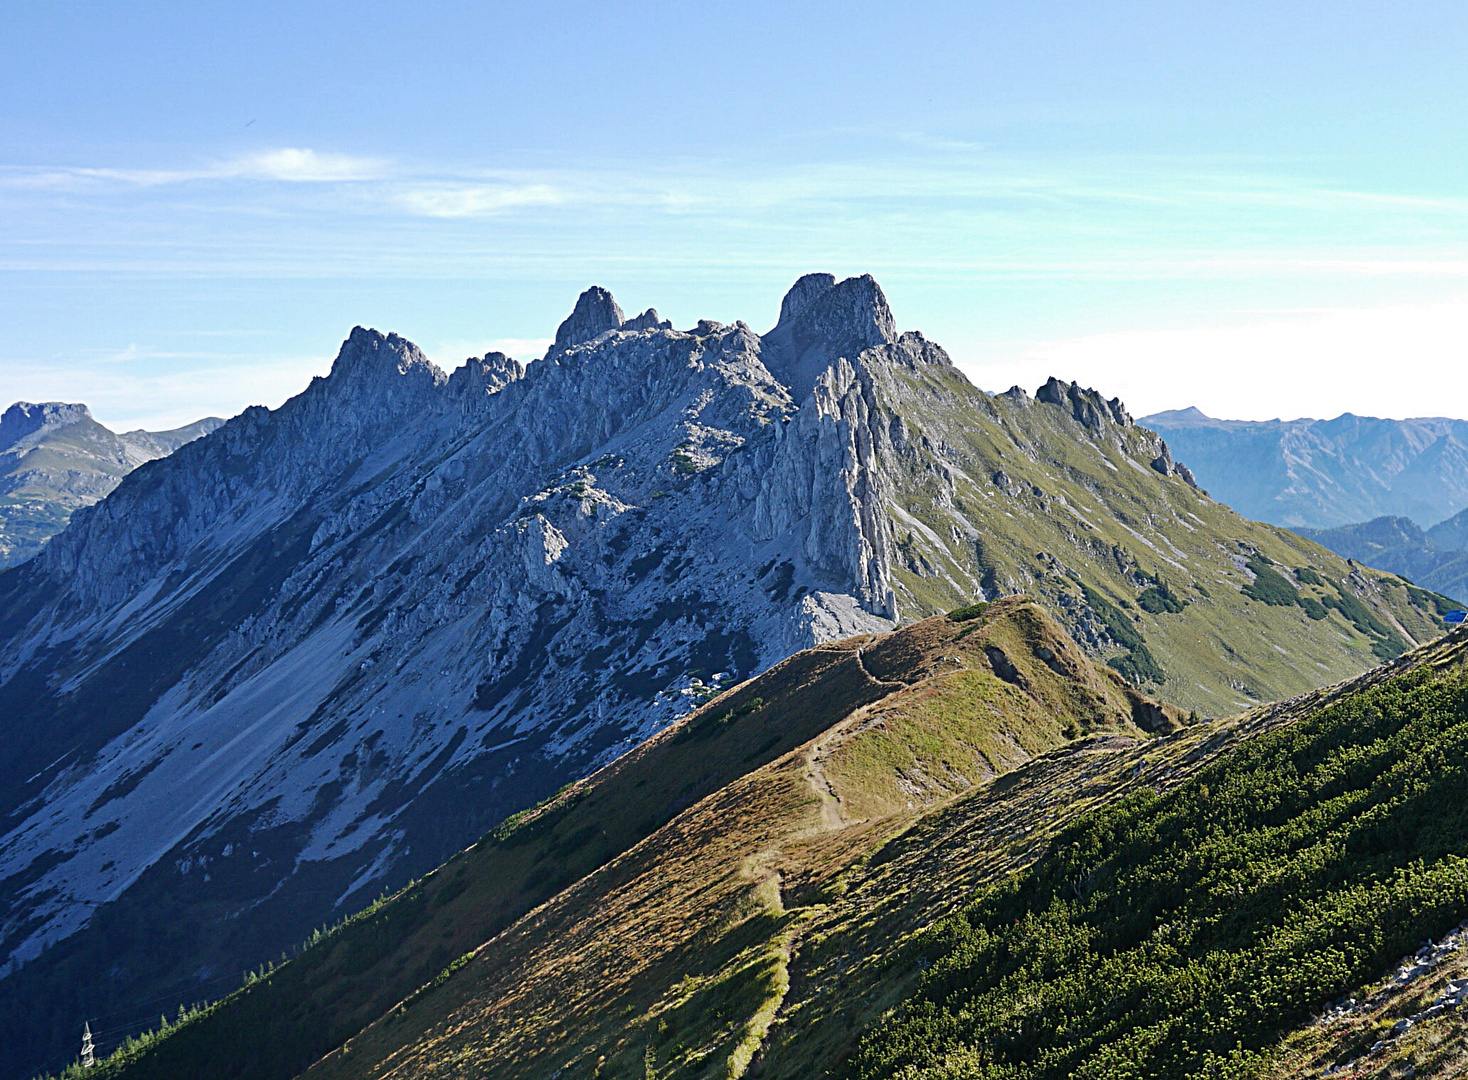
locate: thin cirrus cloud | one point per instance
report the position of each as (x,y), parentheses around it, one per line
(288,165)
(474,200)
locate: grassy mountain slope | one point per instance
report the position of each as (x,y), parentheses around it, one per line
(849,907)
(1187,902)
(1145,570)
(806,767)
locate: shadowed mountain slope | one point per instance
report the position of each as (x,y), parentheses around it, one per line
(318,651)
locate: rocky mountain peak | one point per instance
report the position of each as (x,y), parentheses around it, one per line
(822,319)
(851,314)
(374,353)
(1088,407)
(25,418)
(373,372)
(594,314)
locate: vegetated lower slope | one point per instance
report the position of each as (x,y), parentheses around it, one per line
(693,861)
(1414,1022)
(1400,546)
(54,458)
(1181,934)
(1181,930)
(1324,473)
(316,652)
(1183,905)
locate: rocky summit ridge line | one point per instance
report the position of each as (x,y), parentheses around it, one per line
(319,650)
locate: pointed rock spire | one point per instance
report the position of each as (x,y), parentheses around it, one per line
(821,319)
(595,313)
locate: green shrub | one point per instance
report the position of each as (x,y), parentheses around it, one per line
(1159,599)
(1179,935)
(970,611)
(1313,607)
(1269,585)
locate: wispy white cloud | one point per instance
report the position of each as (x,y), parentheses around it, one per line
(474,200)
(289,165)
(301,166)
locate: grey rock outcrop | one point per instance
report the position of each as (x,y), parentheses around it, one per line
(648,320)
(1089,408)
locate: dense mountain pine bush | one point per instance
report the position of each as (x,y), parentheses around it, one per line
(1181,934)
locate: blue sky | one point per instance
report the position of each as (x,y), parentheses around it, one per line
(1260,209)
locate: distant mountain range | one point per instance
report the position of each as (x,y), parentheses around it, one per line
(309,656)
(1435,559)
(55,459)
(1320,474)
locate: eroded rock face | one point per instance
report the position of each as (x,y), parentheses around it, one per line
(324,647)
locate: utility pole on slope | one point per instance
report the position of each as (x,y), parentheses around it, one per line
(87,1058)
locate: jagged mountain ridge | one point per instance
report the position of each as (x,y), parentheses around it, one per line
(321,649)
(55,458)
(1321,474)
